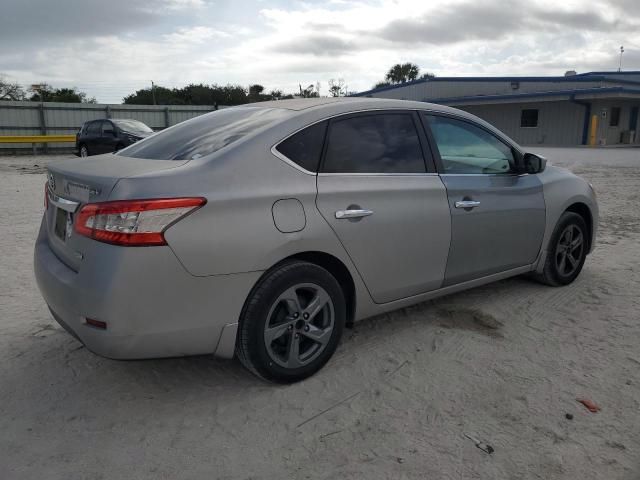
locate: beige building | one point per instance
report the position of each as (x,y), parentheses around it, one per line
(597,108)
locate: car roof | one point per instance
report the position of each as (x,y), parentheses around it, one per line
(114,120)
(337,105)
(309,110)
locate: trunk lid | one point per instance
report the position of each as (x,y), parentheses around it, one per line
(75,182)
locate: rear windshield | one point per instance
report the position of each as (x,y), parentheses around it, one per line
(133,126)
(203,135)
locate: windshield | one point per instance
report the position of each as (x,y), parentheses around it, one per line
(133,126)
(204,135)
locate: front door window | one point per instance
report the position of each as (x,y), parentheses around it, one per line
(467,149)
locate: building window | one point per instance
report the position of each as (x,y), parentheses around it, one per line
(529,117)
(614,121)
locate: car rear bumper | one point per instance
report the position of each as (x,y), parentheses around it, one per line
(151,305)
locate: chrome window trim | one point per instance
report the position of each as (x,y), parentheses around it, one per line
(290,162)
(373,174)
(510,174)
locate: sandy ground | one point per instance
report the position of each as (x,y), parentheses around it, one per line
(503,363)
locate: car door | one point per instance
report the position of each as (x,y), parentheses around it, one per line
(92,136)
(108,139)
(497,214)
(378,189)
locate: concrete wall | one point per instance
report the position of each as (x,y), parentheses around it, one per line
(53,118)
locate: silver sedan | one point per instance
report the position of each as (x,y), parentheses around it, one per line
(263,230)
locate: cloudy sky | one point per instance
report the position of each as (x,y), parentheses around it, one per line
(109,48)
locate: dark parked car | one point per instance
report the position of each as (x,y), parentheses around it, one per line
(109,135)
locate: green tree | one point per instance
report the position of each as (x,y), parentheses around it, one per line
(310,92)
(46,93)
(255,92)
(336,87)
(381,84)
(401,73)
(163,96)
(10,90)
(198,94)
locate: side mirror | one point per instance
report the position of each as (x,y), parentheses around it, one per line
(109,132)
(533,163)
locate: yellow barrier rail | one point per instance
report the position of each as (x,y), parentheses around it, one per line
(38,139)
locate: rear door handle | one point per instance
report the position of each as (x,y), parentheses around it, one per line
(357,213)
(467,204)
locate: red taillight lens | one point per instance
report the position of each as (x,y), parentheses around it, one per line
(133,222)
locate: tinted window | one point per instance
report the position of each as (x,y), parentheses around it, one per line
(205,134)
(382,143)
(132,126)
(305,147)
(529,117)
(106,126)
(94,128)
(465,148)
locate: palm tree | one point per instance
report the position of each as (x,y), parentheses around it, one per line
(401,73)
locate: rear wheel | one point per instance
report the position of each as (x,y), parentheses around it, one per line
(84,151)
(291,323)
(567,251)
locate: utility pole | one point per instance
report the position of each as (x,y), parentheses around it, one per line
(621,52)
(153,92)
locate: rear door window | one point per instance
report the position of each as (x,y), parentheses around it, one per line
(374,143)
(305,147)
(205,134)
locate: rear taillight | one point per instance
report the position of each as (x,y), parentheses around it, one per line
(133,222)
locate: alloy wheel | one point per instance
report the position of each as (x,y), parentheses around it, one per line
(569,250)
(299,325)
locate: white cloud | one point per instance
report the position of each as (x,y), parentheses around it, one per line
(184,4)
(248,42)
(197,34)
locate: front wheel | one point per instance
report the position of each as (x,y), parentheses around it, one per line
(567,251)
(291,323)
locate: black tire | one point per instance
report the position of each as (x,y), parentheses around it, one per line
(265,303)
(555,272)
(83,146)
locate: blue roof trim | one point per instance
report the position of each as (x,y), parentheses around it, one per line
(580,77)
(629,72)
(559,93)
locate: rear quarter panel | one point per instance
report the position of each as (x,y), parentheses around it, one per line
(235,231)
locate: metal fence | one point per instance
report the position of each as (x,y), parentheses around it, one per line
(53,118)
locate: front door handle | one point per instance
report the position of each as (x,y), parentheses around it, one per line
(467,204)
(355,213)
